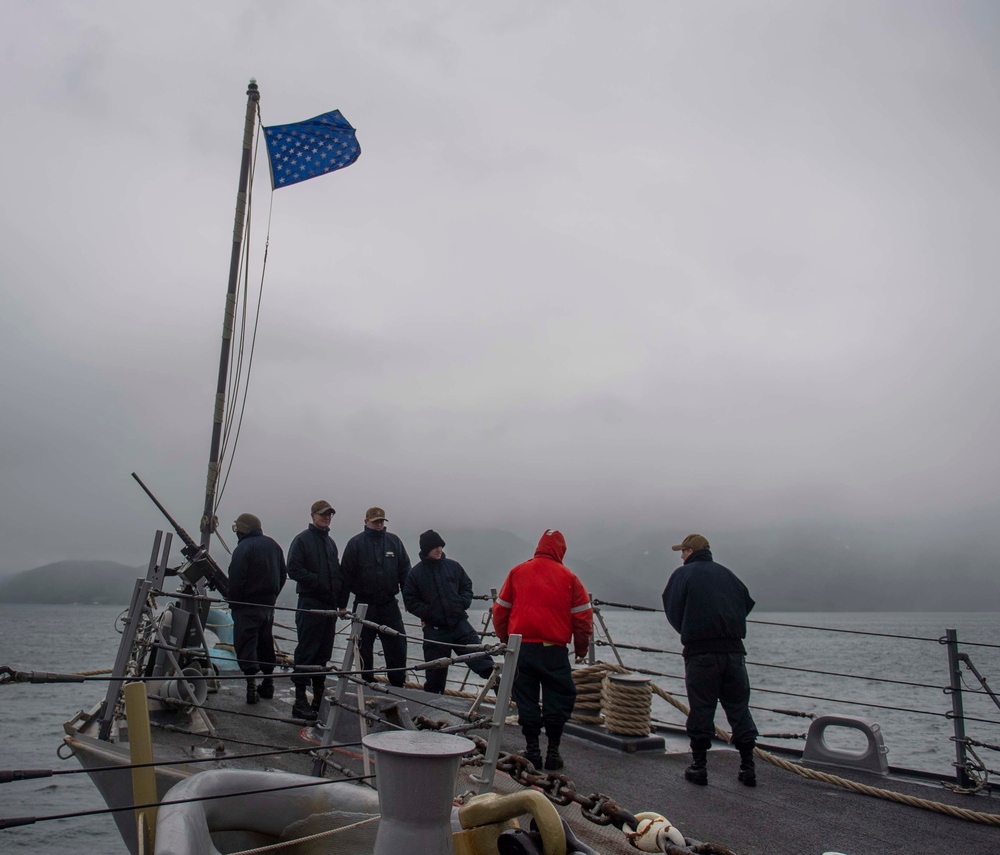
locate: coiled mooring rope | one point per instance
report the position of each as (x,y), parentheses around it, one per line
(587,709)
(627,706)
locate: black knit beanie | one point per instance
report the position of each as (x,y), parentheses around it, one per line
(429,540)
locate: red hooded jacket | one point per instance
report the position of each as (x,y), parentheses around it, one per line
(542,600)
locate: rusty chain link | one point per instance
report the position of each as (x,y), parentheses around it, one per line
(598,808)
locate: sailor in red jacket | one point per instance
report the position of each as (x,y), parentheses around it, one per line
(545,603)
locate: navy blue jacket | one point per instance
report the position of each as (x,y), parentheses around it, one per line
(375,565)
(256,570)
(708,605)
(314,564)
(438,592)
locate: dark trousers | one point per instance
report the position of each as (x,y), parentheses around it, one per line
(253,638)
(714,678)
(543,668)
(393,646)
(441,642)
(315,646)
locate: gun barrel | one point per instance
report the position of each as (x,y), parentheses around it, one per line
(196,554)
(188,541)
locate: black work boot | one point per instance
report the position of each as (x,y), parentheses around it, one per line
(319,686)
(266,689)
(697,772)
(532,753)
(553,733)
(748,773)
(251,690)
(302,708)
(553,759)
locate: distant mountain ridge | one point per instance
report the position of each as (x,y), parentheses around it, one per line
(69,582)
(793,569)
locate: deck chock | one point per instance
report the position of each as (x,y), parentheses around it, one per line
(871,759)
(628,744)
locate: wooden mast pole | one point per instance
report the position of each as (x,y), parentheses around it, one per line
(211,485)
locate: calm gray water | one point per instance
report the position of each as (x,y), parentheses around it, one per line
(82,638)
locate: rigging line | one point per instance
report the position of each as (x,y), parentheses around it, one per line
(792,713)
(360,672)
(303,841)
(245,277)
(236,353)
(232,357)
(679,678)
(44,677)
(338,613)
(234,365)
(219,537)
(236,375)
(639,647)
(970,741)
(387,691)
(236,369)
(946,715)
(872,705)
(11,822)
(253,347)
(942,640)
(245,268)
(173,728)
(634,608)
(851,676)
(236,713)
(26,774)
(473,647)
(848,676)
(253,339)
(848,631)
(967,690)
(971,643)
(246,377)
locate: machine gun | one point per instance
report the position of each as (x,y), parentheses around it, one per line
(200,565)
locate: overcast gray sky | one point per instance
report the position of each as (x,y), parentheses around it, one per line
(696,264)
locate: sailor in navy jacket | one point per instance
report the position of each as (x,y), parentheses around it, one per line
(256,577)
(314,564)
(708,605)
(375,565)
(439,592)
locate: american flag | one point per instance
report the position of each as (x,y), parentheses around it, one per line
(314,147)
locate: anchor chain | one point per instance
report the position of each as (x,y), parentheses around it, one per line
(598,808)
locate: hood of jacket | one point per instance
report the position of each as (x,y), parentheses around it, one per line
(552,545)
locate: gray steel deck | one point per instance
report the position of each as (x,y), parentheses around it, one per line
(783,815)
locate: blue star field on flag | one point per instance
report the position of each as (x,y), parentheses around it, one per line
(314,147)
